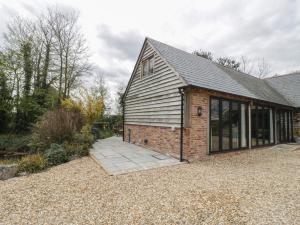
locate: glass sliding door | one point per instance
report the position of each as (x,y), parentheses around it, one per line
(271,126)
(253,125)
(228,125)
(284,126)
(267,125)
(244,125)
(262,126)
(225,125)
(235,125)
(215,125)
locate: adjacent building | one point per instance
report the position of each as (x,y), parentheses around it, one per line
(187,106)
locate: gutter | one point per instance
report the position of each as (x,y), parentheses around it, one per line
(181,92)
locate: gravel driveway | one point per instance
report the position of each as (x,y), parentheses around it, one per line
(251,187)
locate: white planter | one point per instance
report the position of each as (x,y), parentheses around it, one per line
(297,139)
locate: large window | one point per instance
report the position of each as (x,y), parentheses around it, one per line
(228,125)
(284,126)
(262,126)
(215,125)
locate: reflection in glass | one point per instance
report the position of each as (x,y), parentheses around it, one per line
(225,125)
(235,124)
(243,126)
(215,125)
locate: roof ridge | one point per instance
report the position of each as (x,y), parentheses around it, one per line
(283,75)
(202,58)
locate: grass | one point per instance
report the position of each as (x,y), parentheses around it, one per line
(8,161)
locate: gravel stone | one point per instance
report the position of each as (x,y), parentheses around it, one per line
(249,187)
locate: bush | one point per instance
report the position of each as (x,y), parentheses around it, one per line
(31,163)
(14,145)
(76,149)
(55,155)
(56,127)
(85,136)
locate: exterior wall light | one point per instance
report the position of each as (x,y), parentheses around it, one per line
(199,111)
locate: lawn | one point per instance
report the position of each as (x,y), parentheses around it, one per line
(251,187)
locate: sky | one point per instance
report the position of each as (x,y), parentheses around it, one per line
(115,30)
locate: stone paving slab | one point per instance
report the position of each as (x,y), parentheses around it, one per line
(118,157)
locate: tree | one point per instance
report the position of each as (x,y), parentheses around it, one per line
(5,103)
(120,93)
(246,65)
(44,58)
(229,62)
(100,90)
(263,68)
(205,54)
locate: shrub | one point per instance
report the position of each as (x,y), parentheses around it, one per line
(55,127)
(56,155)
(85,136)
(14,145)
(76,149)
(31,163)
(90,105)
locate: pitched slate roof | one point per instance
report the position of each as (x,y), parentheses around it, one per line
(287,85)
(203,73)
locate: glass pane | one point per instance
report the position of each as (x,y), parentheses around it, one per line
(151,66)
(235,120)
(286,126)
(253,125)
(290,126)
(266,125)
(225,125)
(145,68)
(271,126)
(260,125)
(243,125)
(281,126)
(215,125)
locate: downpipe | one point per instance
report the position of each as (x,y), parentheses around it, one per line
(181,92)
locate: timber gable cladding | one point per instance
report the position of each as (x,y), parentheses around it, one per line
(153,99)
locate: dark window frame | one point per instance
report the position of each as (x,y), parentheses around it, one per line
(263,107)
(230,125)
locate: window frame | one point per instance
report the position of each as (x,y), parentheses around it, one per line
(220,99)
(145,62)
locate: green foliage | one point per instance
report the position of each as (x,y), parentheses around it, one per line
(31,163)
(27,114)
(5,103)
(85,136)
(27,62)
(10,144)
(76,149)
(55,155)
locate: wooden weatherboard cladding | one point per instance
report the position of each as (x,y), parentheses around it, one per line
(153,99)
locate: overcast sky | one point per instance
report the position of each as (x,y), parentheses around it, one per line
(115,30)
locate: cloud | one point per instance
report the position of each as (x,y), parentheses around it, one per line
(6,13)
(123,45)
(253,29)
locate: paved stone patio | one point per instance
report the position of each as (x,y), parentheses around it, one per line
(118,157)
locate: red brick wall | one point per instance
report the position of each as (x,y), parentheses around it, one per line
(199,125)
(161,139)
